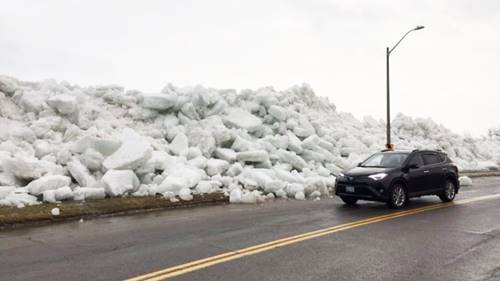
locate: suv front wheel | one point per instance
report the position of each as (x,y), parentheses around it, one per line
(398,198)
(449,192)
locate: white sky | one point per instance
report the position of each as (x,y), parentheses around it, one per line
(448,71)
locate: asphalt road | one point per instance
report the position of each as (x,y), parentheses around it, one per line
(459,242)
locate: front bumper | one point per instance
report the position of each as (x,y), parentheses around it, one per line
(363,189)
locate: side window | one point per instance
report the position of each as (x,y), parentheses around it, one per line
(416,160)
(431,158)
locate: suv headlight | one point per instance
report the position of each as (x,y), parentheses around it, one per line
(378,176)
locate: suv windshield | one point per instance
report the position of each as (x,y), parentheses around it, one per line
(385,160)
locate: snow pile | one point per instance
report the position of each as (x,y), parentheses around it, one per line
(465,181)
(65,142)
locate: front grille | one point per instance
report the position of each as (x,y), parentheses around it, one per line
(359,189)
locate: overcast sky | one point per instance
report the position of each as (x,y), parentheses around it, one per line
(449,71)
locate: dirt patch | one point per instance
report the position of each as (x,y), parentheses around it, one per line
(12,216)
(481,174)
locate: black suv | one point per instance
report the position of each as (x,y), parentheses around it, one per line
(395,176)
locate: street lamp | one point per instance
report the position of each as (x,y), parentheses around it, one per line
(389,145)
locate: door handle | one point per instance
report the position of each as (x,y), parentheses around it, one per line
(426,171)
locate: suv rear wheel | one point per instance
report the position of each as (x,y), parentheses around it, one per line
(398,198)
(449,192)
(349,200)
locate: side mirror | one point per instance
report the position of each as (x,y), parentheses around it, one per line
(413,166)
(407,168)
(359,164)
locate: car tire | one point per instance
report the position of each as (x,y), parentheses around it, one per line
(398,197)
(349,200)
(449,193)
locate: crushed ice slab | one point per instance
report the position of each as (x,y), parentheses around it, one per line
(120,182)
(240,118)
(48,182)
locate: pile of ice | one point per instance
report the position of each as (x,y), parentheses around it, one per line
(59,141)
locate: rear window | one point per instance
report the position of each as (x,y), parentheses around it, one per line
(431,158)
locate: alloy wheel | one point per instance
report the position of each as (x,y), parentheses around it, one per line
(450,191)
(398,196)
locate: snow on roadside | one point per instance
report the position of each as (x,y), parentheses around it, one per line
(465,181)
(65,142)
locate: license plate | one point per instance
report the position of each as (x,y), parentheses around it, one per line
(349,188)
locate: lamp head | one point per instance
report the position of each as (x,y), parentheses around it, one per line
(418,27)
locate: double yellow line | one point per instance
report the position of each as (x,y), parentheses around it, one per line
(232,255)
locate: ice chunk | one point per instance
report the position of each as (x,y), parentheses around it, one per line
(55,212)
(63,103)
(241,144)
(294,188)
(120,182)
(179,145)
(252,197)
(22,167)
(216,166)
(48,182)
(226,154)
(311,155)
(304,129)
(159,101)
(291,158)
(256,178)
(43,147)
(315,194)
(19,199)
(277,112)
(5,190)
(300,196)
(290,177)
(180,176)
(188,110)
(49,196)
(235,196)
(7,179)
(465,181)
(32,101)
(198,162)
(185,194)
(278,141)
(104,146)
(234,170)
(207,186)
(240,118)
(193,152)
(63,193)
(133,153)
(92,159)
(80,173)
(89,193)
(294,143)
(8,84)
(253,156)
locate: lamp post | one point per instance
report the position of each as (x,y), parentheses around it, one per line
(389,145)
